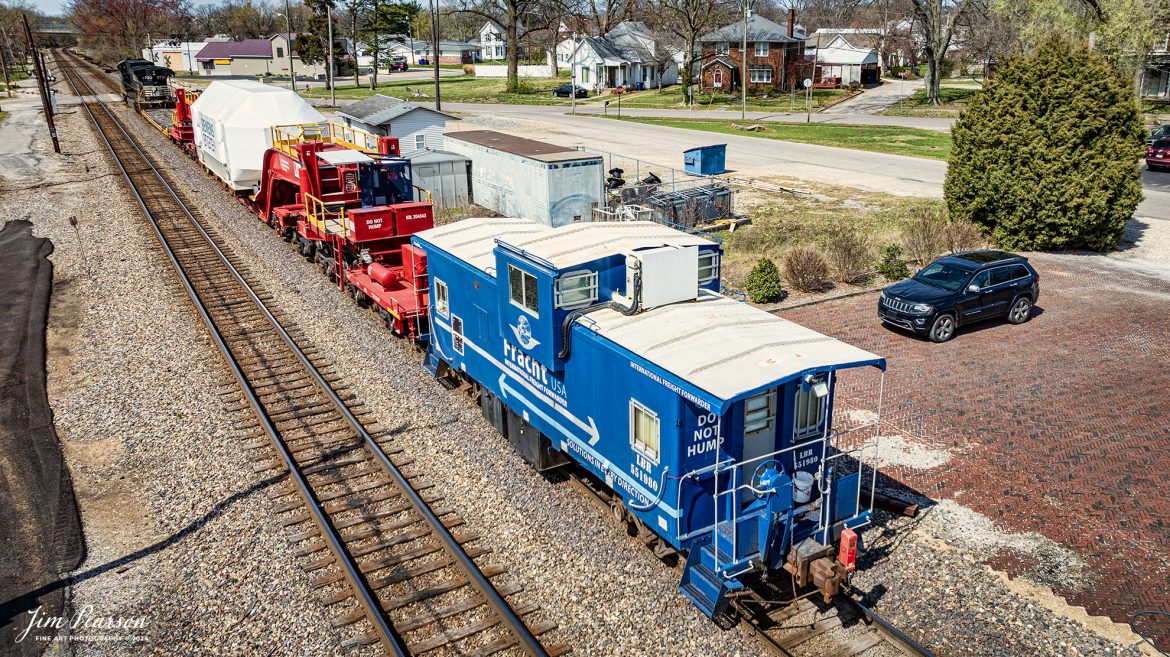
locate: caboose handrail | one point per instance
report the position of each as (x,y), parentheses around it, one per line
(319,215)
(286,137)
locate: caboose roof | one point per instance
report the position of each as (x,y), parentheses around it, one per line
(474,240)
(727,348)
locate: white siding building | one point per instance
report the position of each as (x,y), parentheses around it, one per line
(627,55)
(520,177)
(492,44)
(417,128)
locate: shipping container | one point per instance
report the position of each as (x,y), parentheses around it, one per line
(519,177)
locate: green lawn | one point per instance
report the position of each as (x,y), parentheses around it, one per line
(880,139)
(672,98)
(954,100)
(456,89)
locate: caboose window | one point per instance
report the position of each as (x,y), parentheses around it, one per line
(441,304)
(708,267)
(523,289)
(576,290)
(758,413)
(809,413)
(457,334)
(644,431)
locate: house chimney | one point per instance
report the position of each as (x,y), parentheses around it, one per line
(791,20)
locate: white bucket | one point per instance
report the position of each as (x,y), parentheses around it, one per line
(802,484)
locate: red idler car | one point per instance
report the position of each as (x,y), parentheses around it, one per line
(1158,155)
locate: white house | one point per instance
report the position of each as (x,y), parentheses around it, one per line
(492,42)
(179,56)
(627,55)
(417,128)
(838,58)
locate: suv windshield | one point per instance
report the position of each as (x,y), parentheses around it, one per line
(943,276)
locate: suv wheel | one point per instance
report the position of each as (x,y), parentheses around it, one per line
(1020,311)
(942,329)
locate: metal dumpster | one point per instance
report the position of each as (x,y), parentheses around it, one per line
(705,160)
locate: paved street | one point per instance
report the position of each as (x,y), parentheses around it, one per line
(754,156)
(1057,426)
(873,101)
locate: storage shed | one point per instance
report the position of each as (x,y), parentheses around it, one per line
(417,128)
(444,174)
(520,177)
(232,121)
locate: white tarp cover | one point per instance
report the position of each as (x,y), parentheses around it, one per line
(231,120)
(346,156)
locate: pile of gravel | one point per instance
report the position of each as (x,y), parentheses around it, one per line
(178,532)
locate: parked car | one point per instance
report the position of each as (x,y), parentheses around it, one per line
(1160,132)
(962,289)
(1158,155)
(398,63)
(565,90)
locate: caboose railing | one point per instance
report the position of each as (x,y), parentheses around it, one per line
(319,215)
(286,137)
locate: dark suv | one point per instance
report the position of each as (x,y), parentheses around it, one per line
(961,289)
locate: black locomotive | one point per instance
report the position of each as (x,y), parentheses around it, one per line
(145,84)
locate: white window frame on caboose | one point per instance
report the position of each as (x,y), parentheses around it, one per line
(636,442)
(712,266)
(522,302)
(573,276)
(442,302)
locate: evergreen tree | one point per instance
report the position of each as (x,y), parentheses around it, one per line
(763,282)
(1046,155)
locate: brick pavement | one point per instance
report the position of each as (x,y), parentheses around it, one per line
(1059,426)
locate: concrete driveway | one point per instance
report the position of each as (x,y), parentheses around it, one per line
(877,99)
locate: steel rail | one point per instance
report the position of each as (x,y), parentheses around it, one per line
(515,625)
(889,629)
(390,638)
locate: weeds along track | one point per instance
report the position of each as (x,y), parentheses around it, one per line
(395,567)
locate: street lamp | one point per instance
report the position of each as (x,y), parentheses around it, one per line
(289,45)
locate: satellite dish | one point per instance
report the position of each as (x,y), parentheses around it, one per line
(807,83)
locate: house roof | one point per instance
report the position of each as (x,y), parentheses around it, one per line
(380,110)
(846,56)
(759,29)
(722,60)
(627,42)
(530,148)
(261,48)
(853,38)
(428,156)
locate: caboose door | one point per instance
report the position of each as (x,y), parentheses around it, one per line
(759,426)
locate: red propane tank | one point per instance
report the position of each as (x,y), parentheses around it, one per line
(383,274)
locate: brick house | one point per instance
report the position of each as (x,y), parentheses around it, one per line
(775,56)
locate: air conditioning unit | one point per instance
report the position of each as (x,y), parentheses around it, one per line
(669,274)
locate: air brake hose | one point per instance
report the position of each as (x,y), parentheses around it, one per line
(567,325)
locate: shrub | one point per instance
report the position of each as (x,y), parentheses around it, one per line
(963,236)
(806,269)
(1045,157)
(850,254)
(763,282)
(892,266)
(469,69)
(924,234)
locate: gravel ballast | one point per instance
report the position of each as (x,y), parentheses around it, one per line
(141,403)
(178,532)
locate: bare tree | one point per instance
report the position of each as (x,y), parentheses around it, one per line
(688,20)
(510,14)
(938,19)
(116,29)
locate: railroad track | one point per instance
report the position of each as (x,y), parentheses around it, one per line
(788,626)
(392,564)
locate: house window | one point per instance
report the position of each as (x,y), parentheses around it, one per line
(523,289)
(808,412)
(721,48)
(576,289)
(420,142)
(644,431)
(457,334)
(441,304)
(760,75)
(761,49)
(717,77)
(708,267)
(758,413)
(279,52)
(584,75)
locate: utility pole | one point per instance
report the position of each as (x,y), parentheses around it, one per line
(292,75)
(744,78)
(4,65)
(435,38)
(329,58)
(44,84)
(573,75)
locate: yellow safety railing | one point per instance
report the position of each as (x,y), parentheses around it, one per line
(319,214)
(286,137)
(424,191)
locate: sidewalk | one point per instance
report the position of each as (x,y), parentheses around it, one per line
(851,118)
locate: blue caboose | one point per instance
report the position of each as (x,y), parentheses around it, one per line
(608,344)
